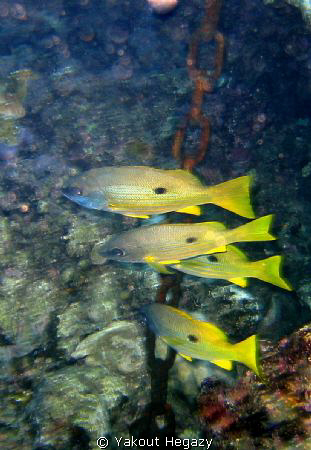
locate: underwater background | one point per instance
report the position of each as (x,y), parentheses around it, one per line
(94,83)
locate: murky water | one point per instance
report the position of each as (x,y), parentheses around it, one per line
(86,84)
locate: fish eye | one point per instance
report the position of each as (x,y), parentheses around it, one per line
(191,239)
(212,258)
(115,252)
(192,338)
(160,190)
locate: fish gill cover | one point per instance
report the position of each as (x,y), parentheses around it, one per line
(221,89)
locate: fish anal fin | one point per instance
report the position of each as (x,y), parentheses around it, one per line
(160,268)
(136,216)
(188,358)
(195,210)
(220,249)
(239,281)
(223,363)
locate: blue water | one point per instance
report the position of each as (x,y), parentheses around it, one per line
(87,84)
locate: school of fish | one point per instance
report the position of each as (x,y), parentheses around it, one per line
(202,249)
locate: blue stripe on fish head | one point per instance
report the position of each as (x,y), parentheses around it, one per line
(94,200)
(146,311)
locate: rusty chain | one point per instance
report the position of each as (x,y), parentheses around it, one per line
(204,82)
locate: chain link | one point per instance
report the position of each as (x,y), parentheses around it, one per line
(204,82)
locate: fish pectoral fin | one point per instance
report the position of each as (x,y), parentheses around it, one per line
(239,281)
(188,358)
(160,268)
(195,210)
(221,249)
(170,261)
(149,259)
(136,216)
(112,207)
(223,363)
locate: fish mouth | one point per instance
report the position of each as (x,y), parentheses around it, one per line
(91,201)
(101,253)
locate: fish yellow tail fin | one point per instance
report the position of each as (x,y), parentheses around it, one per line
(247,353)
(234,196)
(257,230)
(269,270)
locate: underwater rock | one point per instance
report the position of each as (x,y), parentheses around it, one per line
(83,234)
(27,309)
(15,432)
(119,347)
(5,238)
(72,324)
(272,410)
(71,399)
(236,310)
(303,5)
(12,95)
(101,297)
(97,400)
(304,292)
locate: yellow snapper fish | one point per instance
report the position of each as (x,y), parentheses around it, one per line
(167,244)
(193,338)
(234,266)
(141,191)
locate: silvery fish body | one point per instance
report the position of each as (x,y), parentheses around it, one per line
(140,191)
(234,266)
(170,243)
(193,338)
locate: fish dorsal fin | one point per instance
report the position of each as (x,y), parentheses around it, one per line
(217,226)
(221,249)
(188,358)
(161,268)
(223,363)
(195,210)
(182,313)
(137,216)
(239,281)
(181,174)
(214,333)
(237,252)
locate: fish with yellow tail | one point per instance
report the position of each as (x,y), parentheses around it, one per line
(167,244)
(193,338)
(234,266)
(141,191)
